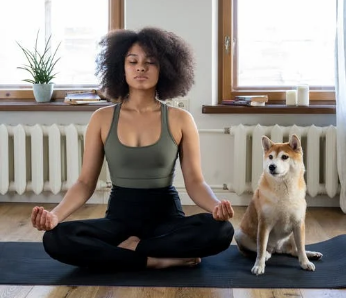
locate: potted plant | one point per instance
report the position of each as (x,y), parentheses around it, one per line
(41,68)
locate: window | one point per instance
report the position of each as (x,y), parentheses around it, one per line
(77,24)
(270,46)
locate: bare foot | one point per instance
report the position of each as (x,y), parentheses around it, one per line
(130,243)
(158,263)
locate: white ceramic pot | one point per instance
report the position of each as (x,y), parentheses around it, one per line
(43,92)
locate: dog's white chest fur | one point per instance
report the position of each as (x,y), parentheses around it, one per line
(285,210)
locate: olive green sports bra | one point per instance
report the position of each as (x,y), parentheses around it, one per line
(149,166)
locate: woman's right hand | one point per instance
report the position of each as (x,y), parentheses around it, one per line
(43,220)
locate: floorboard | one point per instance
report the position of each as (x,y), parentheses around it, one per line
(321,224)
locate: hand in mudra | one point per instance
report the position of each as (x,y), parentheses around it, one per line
(223,211)
(43,220)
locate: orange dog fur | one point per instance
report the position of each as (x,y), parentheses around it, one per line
(274,221)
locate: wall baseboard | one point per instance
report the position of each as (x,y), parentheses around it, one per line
(101,197)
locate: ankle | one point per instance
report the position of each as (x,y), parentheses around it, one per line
(160,263)
(130,243)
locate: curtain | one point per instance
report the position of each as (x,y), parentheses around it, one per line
(340,91)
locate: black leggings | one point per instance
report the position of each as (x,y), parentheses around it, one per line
(153,215)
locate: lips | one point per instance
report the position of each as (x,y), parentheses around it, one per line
(141,78)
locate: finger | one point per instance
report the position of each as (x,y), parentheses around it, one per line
(38,217)
(34,215)
(224,210)
(43,219)
(220,213)
(215,212)
(230,210)
(48,222)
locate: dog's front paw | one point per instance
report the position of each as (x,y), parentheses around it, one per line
(258,268)
(308,266)
(314,255)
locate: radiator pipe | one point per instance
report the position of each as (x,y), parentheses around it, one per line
(101,186)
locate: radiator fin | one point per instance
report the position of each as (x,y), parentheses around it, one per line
(41,158)
(319,146)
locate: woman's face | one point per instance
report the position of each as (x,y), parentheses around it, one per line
(141,70)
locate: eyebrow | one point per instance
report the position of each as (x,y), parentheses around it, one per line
(148,56)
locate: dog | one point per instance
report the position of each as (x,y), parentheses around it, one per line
(274,221)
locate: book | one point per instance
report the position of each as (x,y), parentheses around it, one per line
(252,98)
(243,103)
(82,96)
(247,100)
(86,102)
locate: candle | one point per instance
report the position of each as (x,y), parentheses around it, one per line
(303,95)
(291,97)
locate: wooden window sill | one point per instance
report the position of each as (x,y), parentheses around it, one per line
(59,105)
(313,108)
(31,105)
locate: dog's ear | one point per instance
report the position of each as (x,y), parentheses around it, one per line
(266,143)
(295,143)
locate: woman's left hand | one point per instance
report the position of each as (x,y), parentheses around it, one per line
(223,211)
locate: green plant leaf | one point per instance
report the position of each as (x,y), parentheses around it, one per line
(40,66)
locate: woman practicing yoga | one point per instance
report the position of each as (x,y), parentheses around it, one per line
(142,138)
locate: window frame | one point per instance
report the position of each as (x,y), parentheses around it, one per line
(227,63)
(116,21)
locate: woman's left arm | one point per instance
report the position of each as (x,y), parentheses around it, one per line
(190,160)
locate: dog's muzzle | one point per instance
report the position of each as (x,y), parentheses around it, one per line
(272,169)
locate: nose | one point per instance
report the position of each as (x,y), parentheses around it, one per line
(140,68)
(272,168)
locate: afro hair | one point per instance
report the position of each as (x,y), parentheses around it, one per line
(173,54)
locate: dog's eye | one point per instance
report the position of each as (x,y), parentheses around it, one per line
(270,156)
(284,157)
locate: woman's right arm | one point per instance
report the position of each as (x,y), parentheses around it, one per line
(85,185)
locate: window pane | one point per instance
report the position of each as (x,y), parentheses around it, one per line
(283,43)
(17,24)
(77,24)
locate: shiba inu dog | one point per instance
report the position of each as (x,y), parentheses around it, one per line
(274,221)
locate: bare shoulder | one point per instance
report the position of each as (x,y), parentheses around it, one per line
(101,120)
(102,116)
(180,117)
(104,112)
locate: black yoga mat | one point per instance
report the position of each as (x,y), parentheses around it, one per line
(26,263)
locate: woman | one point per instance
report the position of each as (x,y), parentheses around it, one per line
(141,138)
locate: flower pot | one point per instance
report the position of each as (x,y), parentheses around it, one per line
(43,92)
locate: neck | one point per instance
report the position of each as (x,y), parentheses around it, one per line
(141,100)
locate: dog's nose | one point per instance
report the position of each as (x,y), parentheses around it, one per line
(272,168)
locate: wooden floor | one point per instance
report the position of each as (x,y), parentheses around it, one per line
(322,224)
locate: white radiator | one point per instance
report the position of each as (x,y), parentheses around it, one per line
(319,146)
(48,158)
(41,158)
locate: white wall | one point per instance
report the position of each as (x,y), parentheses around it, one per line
(196,22)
